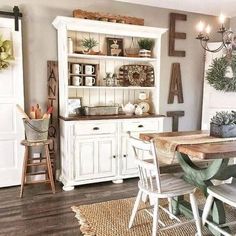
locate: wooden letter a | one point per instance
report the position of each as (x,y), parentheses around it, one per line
(175,84)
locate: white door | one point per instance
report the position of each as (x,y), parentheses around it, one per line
(11,93)
(214,100)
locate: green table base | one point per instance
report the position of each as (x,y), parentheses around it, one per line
(219,169)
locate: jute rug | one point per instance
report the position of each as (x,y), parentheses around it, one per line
(111,219)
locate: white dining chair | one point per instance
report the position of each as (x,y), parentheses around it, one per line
(225,193)
(155,186)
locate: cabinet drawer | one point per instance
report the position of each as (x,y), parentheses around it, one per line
(96,128)
(136,126)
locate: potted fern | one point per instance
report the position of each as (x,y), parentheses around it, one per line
(88,44)
(146,45)
(223,124)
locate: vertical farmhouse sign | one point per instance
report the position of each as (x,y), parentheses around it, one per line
(53,132)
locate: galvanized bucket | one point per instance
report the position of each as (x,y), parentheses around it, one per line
(36,129)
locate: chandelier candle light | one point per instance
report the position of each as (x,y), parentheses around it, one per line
(228,38)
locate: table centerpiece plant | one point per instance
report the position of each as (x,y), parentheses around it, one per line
(223,124)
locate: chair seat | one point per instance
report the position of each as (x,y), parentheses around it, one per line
(171,186)
(224,192)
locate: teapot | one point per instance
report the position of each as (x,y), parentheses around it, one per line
(129,108)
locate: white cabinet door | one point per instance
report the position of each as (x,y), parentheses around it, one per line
(128,166)
(11,93)
(94,158)
(85,155)
(107,157)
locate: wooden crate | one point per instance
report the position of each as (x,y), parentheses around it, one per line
(107,17)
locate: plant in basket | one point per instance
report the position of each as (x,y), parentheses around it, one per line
(146,45)
(223,124)
(88,44)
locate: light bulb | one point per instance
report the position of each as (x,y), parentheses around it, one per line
(222,19)
(208,29)
(200,26)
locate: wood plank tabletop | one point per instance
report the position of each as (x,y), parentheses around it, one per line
(198,144)
(209,151)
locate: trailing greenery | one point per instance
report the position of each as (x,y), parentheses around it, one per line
(224,118)
(217,74)
(5,53)
(89,43)
(146,43)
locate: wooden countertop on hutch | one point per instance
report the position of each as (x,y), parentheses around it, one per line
(74,118)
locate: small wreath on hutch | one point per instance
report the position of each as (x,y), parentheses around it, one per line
(222,74)
(5,53)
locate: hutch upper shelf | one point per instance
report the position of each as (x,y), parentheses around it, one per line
(102,57)
(100,94)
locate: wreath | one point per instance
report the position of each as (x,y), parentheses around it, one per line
(5,53)
(222,74)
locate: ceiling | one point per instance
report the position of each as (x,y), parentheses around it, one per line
(209,7)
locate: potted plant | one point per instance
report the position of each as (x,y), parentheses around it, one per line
(88,44)
(223,124)
(146,45)
(5,53)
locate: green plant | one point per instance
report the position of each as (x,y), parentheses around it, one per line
(5,53)
(146,43)
(89,43)
(224,118)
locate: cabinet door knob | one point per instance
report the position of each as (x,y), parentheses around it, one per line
(140,126)
(95,128)
(114,156)
(125,155)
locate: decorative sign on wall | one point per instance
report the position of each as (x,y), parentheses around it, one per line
(175,84)
(175,118)
(176,35)
(52,78)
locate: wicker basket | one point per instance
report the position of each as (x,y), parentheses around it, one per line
(132,51)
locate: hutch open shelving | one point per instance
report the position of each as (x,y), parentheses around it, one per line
(92,155)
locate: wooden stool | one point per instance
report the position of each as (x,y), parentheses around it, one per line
(46,164)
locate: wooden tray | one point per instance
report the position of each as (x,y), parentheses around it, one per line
(136,75)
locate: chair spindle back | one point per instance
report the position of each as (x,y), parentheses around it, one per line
(149,172)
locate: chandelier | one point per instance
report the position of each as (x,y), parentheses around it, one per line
(228,40)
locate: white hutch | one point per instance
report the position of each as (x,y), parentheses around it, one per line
(95,149)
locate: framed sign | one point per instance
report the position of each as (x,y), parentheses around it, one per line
(115,47)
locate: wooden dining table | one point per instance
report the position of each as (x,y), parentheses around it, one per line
(187,147)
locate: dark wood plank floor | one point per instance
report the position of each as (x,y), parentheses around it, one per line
(40,212)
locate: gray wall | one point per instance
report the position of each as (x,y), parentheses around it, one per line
(40,45)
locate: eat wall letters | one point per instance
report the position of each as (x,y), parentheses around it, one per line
(175,84)
(176,35)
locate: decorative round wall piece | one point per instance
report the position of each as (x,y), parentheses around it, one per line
(222,74)
(137,75)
